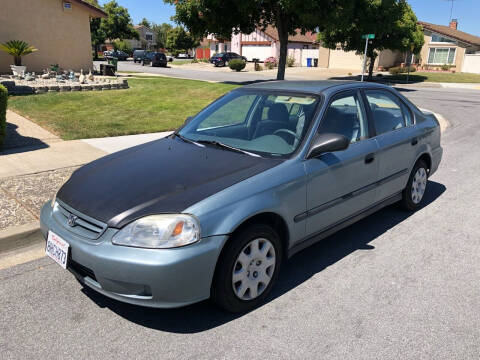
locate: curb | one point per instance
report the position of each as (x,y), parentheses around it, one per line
(20,236)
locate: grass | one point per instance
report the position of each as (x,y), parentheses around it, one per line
(436,77)
(150,105)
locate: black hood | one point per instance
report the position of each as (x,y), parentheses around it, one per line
(163,176)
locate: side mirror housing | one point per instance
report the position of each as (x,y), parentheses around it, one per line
(325,143)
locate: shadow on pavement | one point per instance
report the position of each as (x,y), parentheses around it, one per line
(204,316)
(16,143)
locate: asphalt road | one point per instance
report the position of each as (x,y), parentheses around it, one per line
(393,286)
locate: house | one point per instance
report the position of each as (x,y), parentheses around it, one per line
(147,38)
(59,29)
(446,45)
(211,45)
(264,43)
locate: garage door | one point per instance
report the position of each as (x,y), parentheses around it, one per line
(256,51)
(340,59)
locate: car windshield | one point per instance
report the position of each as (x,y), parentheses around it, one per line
(259,122)
(219,55)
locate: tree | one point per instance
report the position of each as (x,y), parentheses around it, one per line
(117,25)
(202,17)
(392,21)
(146,23)
(161,33)
(179,40)
(123,45)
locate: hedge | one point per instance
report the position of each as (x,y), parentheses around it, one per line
(401,70)
(3,114)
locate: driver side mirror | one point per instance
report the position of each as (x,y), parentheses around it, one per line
(327,143)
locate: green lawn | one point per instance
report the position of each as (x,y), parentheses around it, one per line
(150,105)
(437,77)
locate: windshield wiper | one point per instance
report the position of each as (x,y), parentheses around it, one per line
(188,140)
(228,147)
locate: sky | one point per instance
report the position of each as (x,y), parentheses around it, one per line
(433,11)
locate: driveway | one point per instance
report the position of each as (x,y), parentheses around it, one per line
(393,286)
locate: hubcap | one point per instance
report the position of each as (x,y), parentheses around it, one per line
(419,184)
(253,269)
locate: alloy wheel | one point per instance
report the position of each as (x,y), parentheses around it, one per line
(253,269)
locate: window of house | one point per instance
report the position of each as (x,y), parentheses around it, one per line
(440,39)
(149,37)
(441,56)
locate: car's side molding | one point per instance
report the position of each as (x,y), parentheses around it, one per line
(312,239)
(334,202)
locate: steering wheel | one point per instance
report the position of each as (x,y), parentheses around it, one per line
(286,131)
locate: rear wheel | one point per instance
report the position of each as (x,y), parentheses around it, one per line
(248,269)
(413,194)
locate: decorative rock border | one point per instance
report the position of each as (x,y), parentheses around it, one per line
(15,89)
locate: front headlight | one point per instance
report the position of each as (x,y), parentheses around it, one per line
(159,232)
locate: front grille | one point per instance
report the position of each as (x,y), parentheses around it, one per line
(83,225)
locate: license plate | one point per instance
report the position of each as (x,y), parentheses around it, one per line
(57,249)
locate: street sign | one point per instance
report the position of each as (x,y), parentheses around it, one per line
(368,36)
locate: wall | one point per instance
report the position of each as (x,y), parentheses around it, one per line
(62,37)
(471,64)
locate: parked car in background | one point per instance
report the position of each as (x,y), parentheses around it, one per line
(154,59)
(214,210)
(138,55)
(120,55)
(183,56)
(169,58)
(222,59)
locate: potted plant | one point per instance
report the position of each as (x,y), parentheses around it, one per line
(17,49)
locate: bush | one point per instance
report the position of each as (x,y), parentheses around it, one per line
(401,70)
(236,64)
(3,114)
(290,61)
(445,67)
(270,62)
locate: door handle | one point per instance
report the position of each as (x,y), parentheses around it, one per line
(414,141)
(369,158)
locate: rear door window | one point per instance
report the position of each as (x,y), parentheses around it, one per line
(387,111)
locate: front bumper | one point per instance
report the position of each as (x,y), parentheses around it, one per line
(164,278)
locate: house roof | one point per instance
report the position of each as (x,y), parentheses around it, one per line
(308,37)
(94,11)
(453,33)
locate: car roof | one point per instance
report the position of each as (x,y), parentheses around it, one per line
(313,87)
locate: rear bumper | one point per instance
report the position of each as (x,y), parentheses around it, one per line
(437,155)
(164,278)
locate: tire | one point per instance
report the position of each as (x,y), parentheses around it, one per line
(262,265)
(225,63)
(143,63)
(413,195)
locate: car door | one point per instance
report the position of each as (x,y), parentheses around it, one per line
(342,184)
(395,135)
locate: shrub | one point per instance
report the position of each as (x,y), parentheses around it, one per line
(3,114)
(270,62)
(236,64)
(445,67)
(290,61)
(401,70)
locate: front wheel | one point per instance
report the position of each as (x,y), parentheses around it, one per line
(248,269)
(413,194)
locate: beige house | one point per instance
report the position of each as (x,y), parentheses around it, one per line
(59,29)
(446,45)
(146,39)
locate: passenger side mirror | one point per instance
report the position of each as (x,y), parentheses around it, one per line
(327,143)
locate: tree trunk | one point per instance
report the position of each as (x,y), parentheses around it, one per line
(282,27)
(95,56)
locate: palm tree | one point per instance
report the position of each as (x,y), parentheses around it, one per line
(17,49)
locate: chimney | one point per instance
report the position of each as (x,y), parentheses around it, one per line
(454,24)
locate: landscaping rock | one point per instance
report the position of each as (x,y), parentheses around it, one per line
(53,88)
(106,87)
(76,88)
(65,88)
(86,87)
